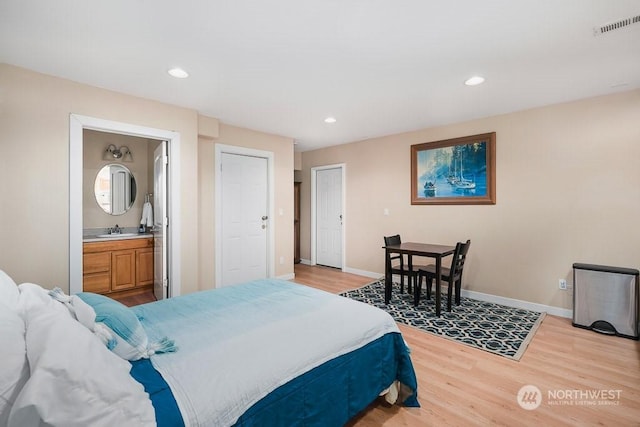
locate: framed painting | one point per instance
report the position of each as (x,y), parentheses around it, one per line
(458,171)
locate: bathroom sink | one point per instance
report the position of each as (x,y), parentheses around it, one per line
(117,235)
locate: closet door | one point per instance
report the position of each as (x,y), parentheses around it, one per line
(329,217)
(245,220)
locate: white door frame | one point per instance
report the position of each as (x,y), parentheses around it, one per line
(160,221)
(77,123)
(243,151)
(314,174)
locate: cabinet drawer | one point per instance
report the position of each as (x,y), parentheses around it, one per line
(99,262)
(97,283)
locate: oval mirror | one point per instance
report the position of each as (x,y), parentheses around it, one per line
(115,189)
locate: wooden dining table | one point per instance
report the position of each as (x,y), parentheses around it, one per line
(416,249)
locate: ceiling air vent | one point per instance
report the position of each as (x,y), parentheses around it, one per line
(616,25)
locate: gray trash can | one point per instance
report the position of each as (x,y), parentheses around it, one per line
(605,299)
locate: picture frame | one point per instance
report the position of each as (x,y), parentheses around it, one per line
(459,171)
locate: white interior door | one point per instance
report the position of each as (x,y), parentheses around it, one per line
(160,221)
(329,217)
(245,219)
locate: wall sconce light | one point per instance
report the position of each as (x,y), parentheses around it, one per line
(113,152)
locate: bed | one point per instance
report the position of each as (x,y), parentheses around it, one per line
(267,352)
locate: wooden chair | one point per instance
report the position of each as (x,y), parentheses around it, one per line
(402,267)
(452,275)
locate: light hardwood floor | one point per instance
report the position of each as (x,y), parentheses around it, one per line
(462,386)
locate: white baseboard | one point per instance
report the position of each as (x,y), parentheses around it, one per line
(362,273)
(349,270)
(511,302)
(289,276)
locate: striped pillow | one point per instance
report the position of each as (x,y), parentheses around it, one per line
(130,340)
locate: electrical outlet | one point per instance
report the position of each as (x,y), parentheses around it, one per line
(562,284)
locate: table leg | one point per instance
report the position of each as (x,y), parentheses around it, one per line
(387,278)
(438,273)
(410,275)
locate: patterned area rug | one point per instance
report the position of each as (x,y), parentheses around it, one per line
(496,328)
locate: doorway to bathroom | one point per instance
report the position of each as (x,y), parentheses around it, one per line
(169,273)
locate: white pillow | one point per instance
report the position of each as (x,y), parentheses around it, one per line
(75,380)
(34,296)
(14,369)
(8,291)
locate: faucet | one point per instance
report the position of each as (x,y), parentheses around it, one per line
(115,230)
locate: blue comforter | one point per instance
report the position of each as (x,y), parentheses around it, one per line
(273,351)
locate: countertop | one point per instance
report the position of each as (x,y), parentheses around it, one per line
(89,238)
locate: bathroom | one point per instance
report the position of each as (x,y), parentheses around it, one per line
(118,244)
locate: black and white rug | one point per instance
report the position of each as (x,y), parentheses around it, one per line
(496,328)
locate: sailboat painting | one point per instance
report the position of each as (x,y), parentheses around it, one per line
(454,171)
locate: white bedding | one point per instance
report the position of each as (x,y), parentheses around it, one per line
(14,368)
(291,327)
(74,380)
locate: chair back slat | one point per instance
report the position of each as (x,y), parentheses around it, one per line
(392,240)
(459,258)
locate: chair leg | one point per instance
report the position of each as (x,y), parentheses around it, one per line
(402,283)
(449,291)
(429,283)
(458,286)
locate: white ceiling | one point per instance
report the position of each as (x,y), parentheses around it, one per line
(379,67)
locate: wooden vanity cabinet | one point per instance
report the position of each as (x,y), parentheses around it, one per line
(96,268)
(123,269)
(144,266)
(118,266)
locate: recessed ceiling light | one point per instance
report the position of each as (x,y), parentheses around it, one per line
(330,120)
(475,80)
(178,73)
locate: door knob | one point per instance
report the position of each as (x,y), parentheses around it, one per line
(264,218)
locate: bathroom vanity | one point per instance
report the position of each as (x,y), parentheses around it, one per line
(119,266)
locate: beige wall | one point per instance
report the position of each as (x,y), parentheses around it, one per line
(34,172)
(94,145)
(282,148)
(283,162)
(206,208)
(568,190)
(297,161)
